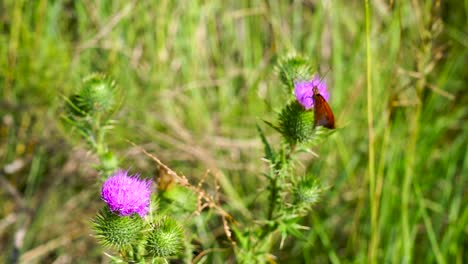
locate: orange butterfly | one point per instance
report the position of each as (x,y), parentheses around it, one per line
(323,115)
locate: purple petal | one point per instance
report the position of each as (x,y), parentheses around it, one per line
(127,195)
(303,90)
(303,93)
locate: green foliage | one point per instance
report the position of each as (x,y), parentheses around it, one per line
(109,162)
(116,231)
(269,153)
(178,200)
(77,107)
(165,238)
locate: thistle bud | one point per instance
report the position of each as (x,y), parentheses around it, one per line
(165,238)
(294,68)
(113,230)
(295,123)
(307,190)
(97,93)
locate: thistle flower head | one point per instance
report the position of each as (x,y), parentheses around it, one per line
(304,90)
(127,195)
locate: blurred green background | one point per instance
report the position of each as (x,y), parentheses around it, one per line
(196,76)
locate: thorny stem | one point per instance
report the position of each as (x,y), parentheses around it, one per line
(274,189)
(273,195)
(279,165)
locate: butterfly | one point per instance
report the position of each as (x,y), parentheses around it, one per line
(323,115)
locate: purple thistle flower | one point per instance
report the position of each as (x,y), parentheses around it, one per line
(303,90)
(127,195)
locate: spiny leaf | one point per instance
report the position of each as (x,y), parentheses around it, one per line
(269,153)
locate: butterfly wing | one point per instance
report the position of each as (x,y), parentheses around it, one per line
(323,115)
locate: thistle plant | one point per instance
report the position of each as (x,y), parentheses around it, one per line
(88,112)
(126,224)
(129,222)
(290,196)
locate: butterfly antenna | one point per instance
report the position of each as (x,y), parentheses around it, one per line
(315,88)
(325,75)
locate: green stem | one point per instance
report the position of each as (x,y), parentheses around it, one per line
(274,190)
(273,196)
(372,248)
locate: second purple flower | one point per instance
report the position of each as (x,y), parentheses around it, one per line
(126,194)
